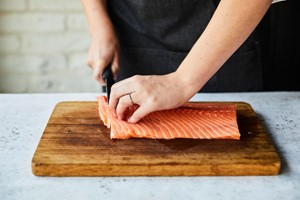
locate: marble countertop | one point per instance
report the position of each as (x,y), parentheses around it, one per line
(23,118)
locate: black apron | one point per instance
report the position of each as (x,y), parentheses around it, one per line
(156,35)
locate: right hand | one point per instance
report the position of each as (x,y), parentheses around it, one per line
(104,49)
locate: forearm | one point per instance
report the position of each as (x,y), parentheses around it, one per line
(104,48)
(97,16)
(231,24)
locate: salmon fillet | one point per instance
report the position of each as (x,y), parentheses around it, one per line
(197,121)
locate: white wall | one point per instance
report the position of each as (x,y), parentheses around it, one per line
(43,47)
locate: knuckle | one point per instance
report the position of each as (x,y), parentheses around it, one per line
(153,101)
(106,54)
(113,87)
(136,78)
(113,90)
(89,62)
(147,92)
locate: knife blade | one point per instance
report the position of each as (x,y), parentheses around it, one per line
(109,79)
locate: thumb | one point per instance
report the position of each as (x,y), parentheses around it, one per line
(141,112)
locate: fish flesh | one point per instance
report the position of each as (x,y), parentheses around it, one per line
(191,120)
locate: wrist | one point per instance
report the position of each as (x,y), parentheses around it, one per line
(99,21)
(186,87)
(104,34)
(101,27)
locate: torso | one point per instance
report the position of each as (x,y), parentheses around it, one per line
(155,36)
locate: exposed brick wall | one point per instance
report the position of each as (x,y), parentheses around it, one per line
(43,47)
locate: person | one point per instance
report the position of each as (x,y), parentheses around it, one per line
(164,52)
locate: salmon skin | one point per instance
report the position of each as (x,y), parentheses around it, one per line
(192,120)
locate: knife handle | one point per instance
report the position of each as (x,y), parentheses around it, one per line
(108,78)
(107,73)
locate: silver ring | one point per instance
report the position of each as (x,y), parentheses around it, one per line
(131,98)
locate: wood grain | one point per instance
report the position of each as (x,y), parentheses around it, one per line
(76,143)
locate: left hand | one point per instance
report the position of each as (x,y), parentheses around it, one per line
(151,93)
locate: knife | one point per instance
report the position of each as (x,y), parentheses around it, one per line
(108,78)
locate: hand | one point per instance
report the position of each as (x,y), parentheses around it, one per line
(104,49)
(151,93)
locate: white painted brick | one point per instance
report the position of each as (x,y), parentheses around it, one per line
(67,42)
(31,22)
(44,47)
(33,64)
(55,5)
(47,83)
(55,81)
(78,61)
(77,64)
(12,5)
(13,83)
(9,43)
(77,22)
(80,81)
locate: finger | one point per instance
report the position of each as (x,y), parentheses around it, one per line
(130,80)
(98,70)
(120,89)
(115,65)
(117,92)
(89,62)
(141,112)
(124,103)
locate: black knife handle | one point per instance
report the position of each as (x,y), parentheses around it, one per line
(107,72)
(109,79)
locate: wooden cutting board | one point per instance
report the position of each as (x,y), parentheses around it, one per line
(76,143)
